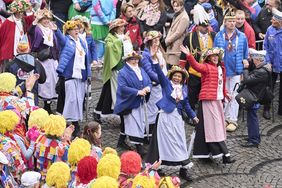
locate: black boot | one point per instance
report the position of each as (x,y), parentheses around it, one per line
(47,107)
(97,117)
(122,144)
(76,131)
(266,112)
(227,160)
(140,149)
(161,173)
(184,174)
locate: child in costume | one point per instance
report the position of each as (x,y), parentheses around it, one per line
(92,133)
(104,182)
(8,121)
(5,177)
(48,147)
(86,172)
(109,165)
(58,176)
(78,149)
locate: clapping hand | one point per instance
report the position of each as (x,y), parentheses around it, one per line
(144,91)
(185,50)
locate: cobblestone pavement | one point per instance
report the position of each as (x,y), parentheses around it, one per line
(253,167)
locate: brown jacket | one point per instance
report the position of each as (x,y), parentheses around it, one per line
(175,37)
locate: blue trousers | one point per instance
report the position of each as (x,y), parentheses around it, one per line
(100,47)
(253,125)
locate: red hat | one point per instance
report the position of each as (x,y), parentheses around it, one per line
(130,163)
(87,169)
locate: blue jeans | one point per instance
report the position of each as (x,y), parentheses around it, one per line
(253,124)
(100,47)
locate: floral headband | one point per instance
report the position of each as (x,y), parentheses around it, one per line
(213,51)
(19,6)
(70,24)
(133,54)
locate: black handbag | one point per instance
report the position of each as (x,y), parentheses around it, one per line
(44,54)
(246,98)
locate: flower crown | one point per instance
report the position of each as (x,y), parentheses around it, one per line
(19,6)
(70,24)
(83,19)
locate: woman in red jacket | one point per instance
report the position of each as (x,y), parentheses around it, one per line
(210,132)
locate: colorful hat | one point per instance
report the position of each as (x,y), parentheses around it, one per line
(229,14)
(42,13)
(104,182)
(58,175)
(87,169)
(83,19)
(30,178)
(133,54)
(109,165)
(117,23)
(7,82)
(213,51)
(277,15)
(55,126)
(70,24)
(152,35)
(130,163)
(200,16)
(176,68)
(8,121)
(78,149)
(257,54)
(19,6)
(38,118)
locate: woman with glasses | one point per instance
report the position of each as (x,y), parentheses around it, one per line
(133,88)
(74,70)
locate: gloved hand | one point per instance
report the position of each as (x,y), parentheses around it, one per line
(33,134)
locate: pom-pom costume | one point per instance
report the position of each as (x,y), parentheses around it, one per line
(104,182)
(109,165)
(58,175)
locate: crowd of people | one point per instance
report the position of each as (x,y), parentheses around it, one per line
(165,64)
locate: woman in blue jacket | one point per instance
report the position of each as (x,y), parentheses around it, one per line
(169,141)
(74,68)
(133,86)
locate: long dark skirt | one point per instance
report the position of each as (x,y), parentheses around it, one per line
(105,101)
(202,149)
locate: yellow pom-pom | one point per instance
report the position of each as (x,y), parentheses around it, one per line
(55,126)
(8,121)
(38,118)
(58,175)
(109,165)
(104,182)
(143,181)
(79,148)
(108,150)
(7,82)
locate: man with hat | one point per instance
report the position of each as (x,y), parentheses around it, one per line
(273,46)
(134,84)
(197,41)
(235,46)
(13,30)
(256,80)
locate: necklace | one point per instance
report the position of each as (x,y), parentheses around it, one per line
(20,29)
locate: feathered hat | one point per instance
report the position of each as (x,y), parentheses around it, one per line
(55,126)
(213,51)
(58,175)
(200,16)
(19,6)
(8,121)
(7,82)
(87,169)
(38,118)
(78,149)
(104,182)
(229,14)
(109,165)
(130,163)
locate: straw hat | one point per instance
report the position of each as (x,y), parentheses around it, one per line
(213,51)
(132,54)
(175,69)
(152,35)
(42,13)
(117,23)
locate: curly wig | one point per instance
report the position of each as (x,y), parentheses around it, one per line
(58,175)
(55,126)
(109,165)
(109,150)
(87,169)
(130,163)
(7,82)
(78,149)
(143,181)
(104,182)
(8,121)
(38,118)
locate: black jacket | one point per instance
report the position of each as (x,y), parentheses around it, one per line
(257,79)
(263,21)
